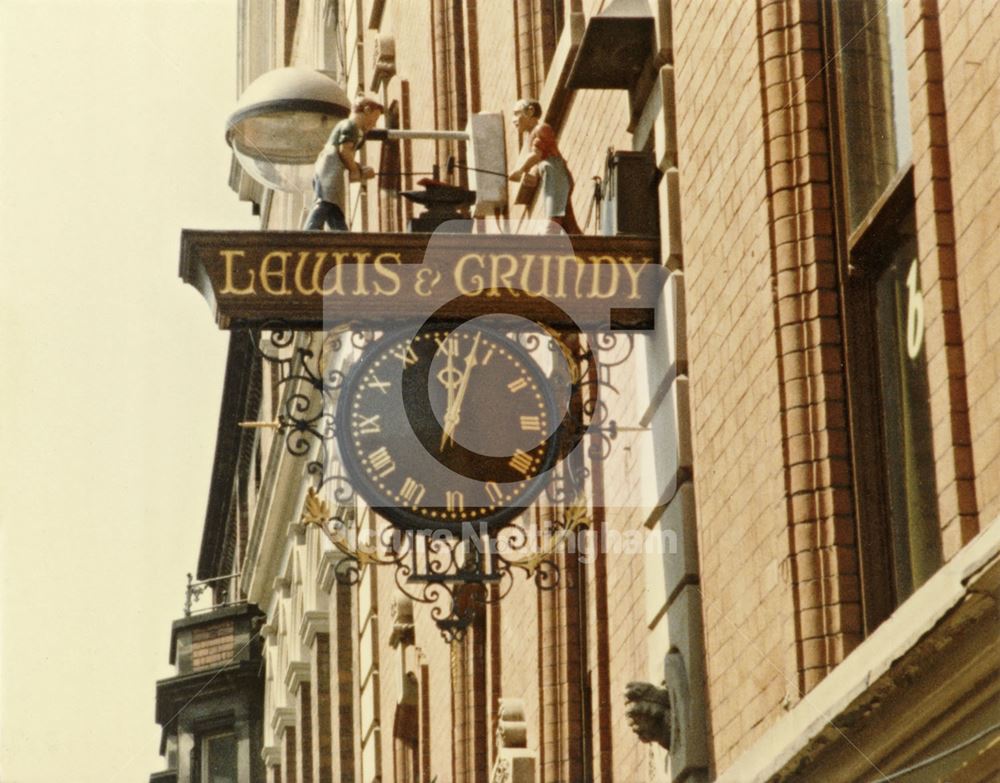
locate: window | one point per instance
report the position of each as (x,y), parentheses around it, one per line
(894,486)
(218,759)
(538,25)
(874,107)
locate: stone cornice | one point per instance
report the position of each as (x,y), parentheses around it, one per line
(281,584)
(326,573)
(313,622)
(298,672)
(281,719)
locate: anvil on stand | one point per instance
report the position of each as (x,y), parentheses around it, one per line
(487,193)
(443,202)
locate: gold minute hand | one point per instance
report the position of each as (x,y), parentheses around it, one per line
(453,413)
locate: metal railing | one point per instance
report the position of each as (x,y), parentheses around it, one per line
(225,592)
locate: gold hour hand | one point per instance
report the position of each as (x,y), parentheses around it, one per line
(449,379)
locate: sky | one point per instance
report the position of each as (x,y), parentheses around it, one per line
(112,115)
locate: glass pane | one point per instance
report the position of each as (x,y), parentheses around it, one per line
(875,97)
(906,422)
(221,759)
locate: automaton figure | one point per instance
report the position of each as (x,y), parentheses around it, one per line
(545,159)
(338,157)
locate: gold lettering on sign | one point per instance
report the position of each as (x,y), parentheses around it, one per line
(359,283)
(266,273)
(560,292)
(475,279)
(362,273)
(334,276)
(425,282)
(496,278)
(581,272)
(388,274)
(230,287)
(596,264)
(300,287)
(633,270)
(543,290)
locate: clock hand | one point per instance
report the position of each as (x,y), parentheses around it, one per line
(447,378)
(453,412)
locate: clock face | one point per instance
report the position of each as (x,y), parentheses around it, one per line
(447,426)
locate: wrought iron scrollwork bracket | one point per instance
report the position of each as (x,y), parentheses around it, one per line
(455,572)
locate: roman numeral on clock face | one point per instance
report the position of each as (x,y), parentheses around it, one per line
(454,500)
(375,383)
(494,492)
(368,425)
(448,346)
(531,424)
(516,385)
(382,462)
(412,491)
(521,462)
(405,354)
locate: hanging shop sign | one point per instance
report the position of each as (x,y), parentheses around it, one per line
(251,278)
(473,391)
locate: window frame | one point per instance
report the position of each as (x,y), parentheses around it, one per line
(205,742)
(860,259)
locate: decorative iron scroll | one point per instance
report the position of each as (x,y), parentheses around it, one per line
(454,571)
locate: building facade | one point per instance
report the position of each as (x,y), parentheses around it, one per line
(806,448)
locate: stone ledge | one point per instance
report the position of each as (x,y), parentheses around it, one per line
(948,605)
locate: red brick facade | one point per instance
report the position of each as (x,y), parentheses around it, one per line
(742,419)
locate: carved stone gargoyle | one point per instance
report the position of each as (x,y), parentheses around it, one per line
(647,709)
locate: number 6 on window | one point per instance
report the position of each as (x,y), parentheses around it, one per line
(914,313)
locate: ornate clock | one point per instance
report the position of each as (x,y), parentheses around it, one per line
(448,426)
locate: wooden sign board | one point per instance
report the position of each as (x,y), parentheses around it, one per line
(312,279)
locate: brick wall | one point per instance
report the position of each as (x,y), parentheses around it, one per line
(212,645)
(541,667)
(735,404)
(768,405)
(946,360)
(322,709)
(960,107)
(778,582)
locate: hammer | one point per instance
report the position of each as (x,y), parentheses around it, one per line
(452,165)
